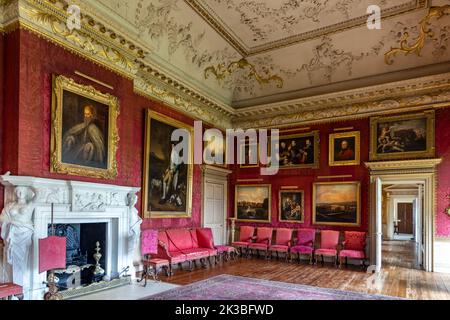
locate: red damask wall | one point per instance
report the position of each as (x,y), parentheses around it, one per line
(39,59)
(304,178)
(27,63)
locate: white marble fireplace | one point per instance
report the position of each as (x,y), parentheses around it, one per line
(74,203)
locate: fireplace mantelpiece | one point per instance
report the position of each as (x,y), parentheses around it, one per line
(76,202)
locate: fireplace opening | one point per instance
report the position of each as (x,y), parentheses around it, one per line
(82,267)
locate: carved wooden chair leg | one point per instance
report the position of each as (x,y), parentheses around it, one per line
(346,262)
(180,265)
(336,261)
(323,261)
(166,269)
(287,256)
(311,258)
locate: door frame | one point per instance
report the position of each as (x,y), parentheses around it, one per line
(216,175)
(403,172)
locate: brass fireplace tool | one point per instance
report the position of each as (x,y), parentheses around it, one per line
(98,271)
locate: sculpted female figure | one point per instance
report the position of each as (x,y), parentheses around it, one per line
(17,232)
(135,227)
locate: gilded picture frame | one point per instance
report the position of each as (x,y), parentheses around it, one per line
(154,173)
(311,163)
(346,212)
(344,149)
(281,196)
(389,144)
(84,101)
(267,191)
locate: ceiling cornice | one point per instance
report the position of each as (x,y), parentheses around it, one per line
(426,92)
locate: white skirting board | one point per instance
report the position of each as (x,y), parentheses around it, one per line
(442,255)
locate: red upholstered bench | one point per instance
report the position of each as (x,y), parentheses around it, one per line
(9,290)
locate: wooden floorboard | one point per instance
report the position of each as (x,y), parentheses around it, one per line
(398,278)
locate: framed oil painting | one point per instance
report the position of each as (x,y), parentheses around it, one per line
(214,149)
(337,204)
(291,206)
(247,156)
(84,133)
(167,181)
(299,151)
(345,149)
(253,203)
(403,137)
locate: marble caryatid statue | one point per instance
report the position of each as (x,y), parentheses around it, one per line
(17,231)
(135,228)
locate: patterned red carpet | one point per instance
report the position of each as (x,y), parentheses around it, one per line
(227,287)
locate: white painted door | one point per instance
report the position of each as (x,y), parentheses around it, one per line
(214,211)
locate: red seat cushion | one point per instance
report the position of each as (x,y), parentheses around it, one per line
(279,247)
(177,257)
(9,290)
(258,246)
(326,252)
(241,244)
(352,254)
(302,249)
(196,253)
(156,262)
(222,249)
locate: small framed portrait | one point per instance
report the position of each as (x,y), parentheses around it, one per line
(337,204)
(249,155)
(299,151)
(168,172)
(84,135)
(253,203)
(291,206)
(344,149)
(214,150)
(403,137)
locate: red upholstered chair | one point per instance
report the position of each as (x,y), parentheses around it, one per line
(306,239)
(329,241)
(10,290)
(353,247)
(263,240)
(245,238)
(283,242)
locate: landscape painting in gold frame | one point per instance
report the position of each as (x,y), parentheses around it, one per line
(337,204)
(344,149)
(253,203)
(84,134)
(403,137)
(291,206)
(167,186)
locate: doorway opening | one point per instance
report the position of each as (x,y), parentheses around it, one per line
(402,225)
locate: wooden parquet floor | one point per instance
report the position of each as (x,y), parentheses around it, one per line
(396,278)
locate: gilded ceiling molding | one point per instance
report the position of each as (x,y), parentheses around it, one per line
(183,102)
(222,71)
(49,19)
(425,33)
(416,94)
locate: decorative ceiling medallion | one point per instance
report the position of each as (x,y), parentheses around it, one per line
(425,32)
(222,71)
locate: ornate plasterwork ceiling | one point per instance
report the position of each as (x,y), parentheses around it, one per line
(257,26)
(314,46)
(165,46)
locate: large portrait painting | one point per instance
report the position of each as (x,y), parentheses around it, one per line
(253,203)
(337,203)
(403,137)
(299,151)
(167,187)
(291,206)
(344,149)
(84,130)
